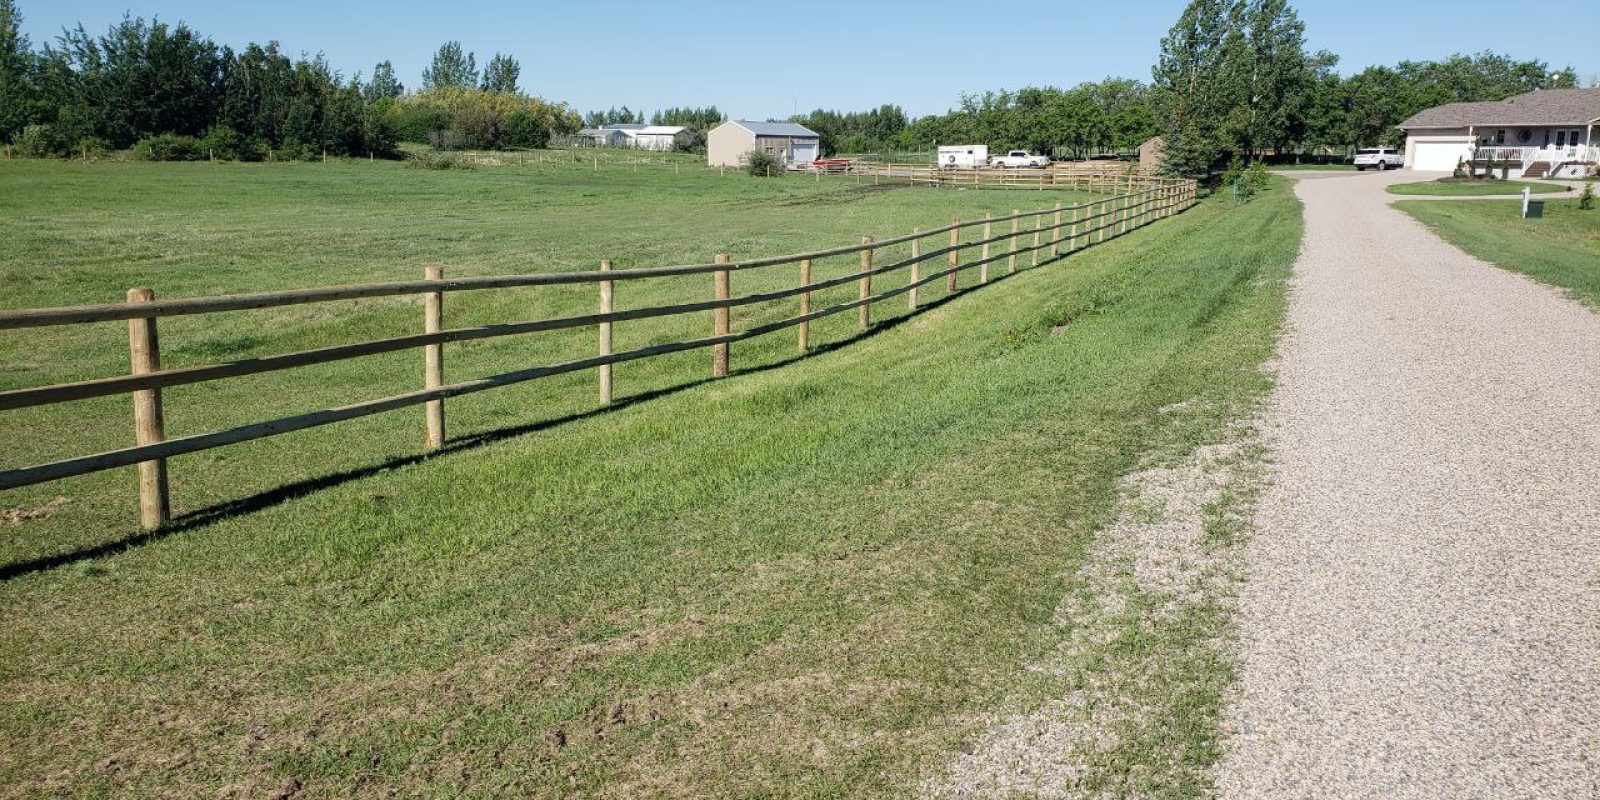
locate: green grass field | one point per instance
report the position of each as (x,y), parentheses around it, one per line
(1460,187)
(805,581)
(1561,249)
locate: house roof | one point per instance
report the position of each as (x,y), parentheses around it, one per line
(624,126)
(598,131)
(777,129)
(662,130)
(1540,107)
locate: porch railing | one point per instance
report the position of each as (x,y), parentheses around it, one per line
(1528,156)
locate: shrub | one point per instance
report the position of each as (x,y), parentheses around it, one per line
(39,141)
(92,147)
(763,164)
(1461,169)
(438,161)
(447,140)
(524,129)
(294,150)
(167,147)
(481,119)
(1505,170)
(1586,200)
(221,142)
(1234,180)
(1257,176)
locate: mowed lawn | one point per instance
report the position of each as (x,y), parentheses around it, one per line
(803,581)
(1461,187)
(1561,249)
(85,234)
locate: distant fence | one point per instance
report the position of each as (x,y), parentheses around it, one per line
(1057,231)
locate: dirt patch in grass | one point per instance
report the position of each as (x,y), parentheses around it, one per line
(1130,696)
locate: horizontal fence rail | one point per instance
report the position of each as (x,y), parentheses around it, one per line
(1141,199)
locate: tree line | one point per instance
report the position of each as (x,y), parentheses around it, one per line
(1233,78)
(167,91)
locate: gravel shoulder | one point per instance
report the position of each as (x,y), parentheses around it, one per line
(1421,617)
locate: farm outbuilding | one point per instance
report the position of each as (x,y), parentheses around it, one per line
(794,145)
(657,137)
(616,135)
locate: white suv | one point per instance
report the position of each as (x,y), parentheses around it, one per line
(1379,158)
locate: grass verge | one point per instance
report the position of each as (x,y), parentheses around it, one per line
(1465,187)
(1561,249)
(797,582)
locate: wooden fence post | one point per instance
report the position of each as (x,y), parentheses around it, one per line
(721,320)
(433,357)
(1055,234)
(606,298)
(805,305)
(1072,232)
(866,282)
(1016,228)
(955,255)
(916,267)
(1038,227)
(149,421)
(988,232)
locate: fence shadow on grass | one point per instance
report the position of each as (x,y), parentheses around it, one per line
(263,500)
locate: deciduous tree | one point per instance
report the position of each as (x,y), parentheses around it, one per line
(451,67)
(501,74)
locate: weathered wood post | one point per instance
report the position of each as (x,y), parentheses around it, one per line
(1038,229)
(149,421)
(606,297)
(865,283)
(1055,233)
(916,267)
(721,320)
(1016,228)
(433,357)
(1072,230)
(805,305)
(988,232)
(955,254)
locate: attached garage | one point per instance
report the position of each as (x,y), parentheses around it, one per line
(1437,153)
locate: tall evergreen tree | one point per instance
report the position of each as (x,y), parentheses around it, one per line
(451,67)
(384,83)
(501,74)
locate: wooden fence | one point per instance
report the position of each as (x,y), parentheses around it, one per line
(1057,231)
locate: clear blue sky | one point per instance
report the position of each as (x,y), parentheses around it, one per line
(753,61)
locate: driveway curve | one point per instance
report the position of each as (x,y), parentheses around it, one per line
(1421,617)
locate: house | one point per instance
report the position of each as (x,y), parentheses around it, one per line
(1547,132)
(617,135)
(657,137)
(794,145)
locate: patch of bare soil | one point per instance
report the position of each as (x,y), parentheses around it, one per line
(1143,626)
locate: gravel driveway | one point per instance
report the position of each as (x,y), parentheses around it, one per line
(1421,617)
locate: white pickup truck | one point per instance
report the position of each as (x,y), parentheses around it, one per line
(1379,158)
(1019,158)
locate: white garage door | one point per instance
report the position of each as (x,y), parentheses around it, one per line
(1439,155)
(805,152)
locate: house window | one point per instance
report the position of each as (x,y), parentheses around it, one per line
(1500,136)
(1572,138)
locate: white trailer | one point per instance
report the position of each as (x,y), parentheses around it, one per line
(964,156)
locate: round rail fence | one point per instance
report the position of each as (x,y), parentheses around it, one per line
(1046,233)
